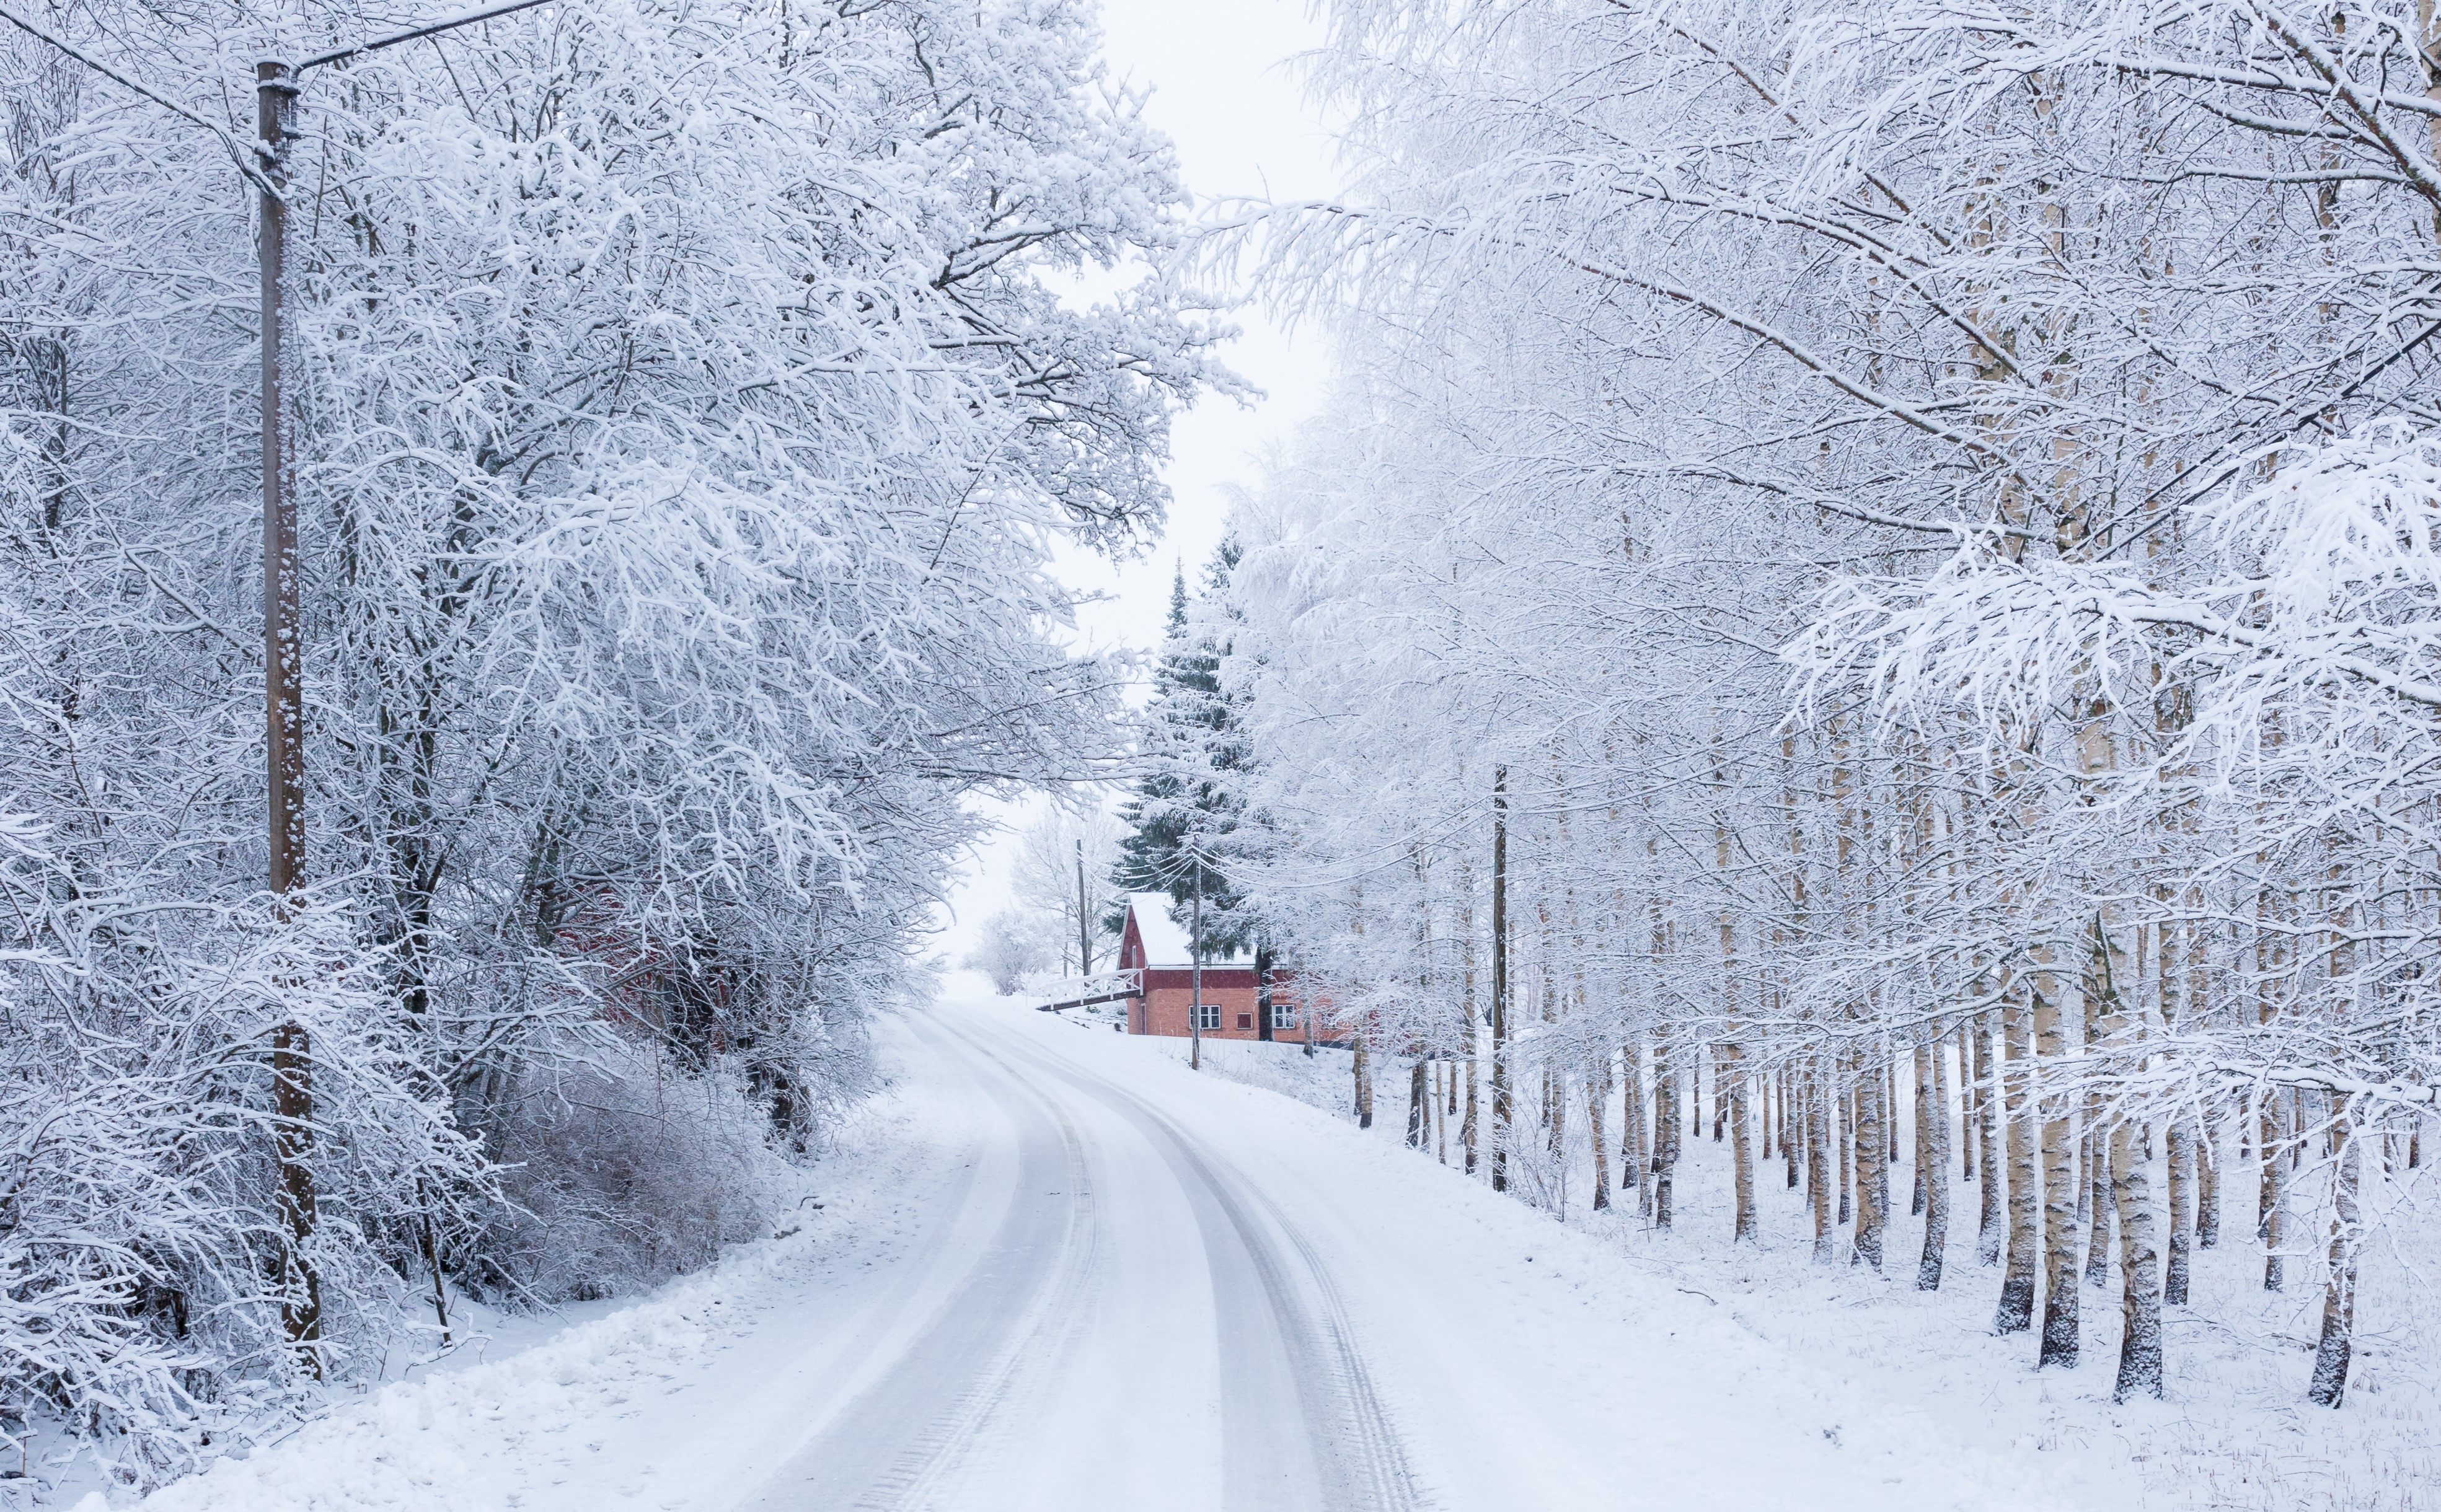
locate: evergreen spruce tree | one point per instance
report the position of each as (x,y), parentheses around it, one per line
(1183,808)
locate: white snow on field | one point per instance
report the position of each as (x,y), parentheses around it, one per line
(1518,1362)
(2234,1434)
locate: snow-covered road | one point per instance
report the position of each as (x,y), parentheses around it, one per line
(1079,1276)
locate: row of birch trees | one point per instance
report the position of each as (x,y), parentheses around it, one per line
(1875,569)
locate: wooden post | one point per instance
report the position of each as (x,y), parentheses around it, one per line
(1195,1014)
(292,1049)
(1084,921)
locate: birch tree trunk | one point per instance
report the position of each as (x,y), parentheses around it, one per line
(1989,1222)
(1818,1156)
(2331,1355)
(2208,1181)
(1934,1160)
(1872,1170)
(2097,1198)
(1665,1128)
(1918,1196)
(2059,1177)
(2139,1344)
(1500,1109)
(2017,1310)
(1734,1076)
(2183,1157)
(1635,1143)
(1597,1101)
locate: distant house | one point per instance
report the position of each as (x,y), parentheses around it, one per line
(1158,952)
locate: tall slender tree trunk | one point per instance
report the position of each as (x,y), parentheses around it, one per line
(1916,1201)
(1817,1157)
(1467,1130)
(1635,1144)
(1934,1108)
(1969,1096)
(1847,1135)
(1597,1102)
(1418,1104)
(2060,1186)
(1665,1127)
(2272,1217)
(2182,1157)
(2139,1342)
(2331,1353)
(2208,1180)
(1873,1168)
(1791,1135)
(1990,1222)
(2017,1310)
(1500,1109)
(1734,1081)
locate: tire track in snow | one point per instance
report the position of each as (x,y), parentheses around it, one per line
(1033,1352)
(895,1445)
(1322,1348)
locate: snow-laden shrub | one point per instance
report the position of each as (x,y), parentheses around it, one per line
(151,1283)
(622,1170)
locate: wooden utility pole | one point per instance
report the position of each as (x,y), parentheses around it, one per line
(292,1045)
(1195,1018)
(1084,920)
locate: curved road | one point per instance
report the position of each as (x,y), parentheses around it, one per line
(1062,1273)
(1069,1359)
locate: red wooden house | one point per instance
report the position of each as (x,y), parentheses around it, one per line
(1157,950)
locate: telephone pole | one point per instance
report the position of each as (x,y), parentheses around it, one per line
(1084,920)
(1195,1029)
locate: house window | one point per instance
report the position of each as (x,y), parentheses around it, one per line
(1283,1016)
(1208,1016)
(1245,1020)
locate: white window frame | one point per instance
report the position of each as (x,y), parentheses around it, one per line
(1208,1017)
(1283,1016)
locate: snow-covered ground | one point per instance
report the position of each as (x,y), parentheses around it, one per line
(2234,1433)
(1056,1268)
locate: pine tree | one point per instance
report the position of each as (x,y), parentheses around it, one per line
(1185,810)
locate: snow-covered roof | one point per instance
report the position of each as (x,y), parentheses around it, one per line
(1165,940)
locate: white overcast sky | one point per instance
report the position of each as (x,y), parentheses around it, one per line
(1223,89)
